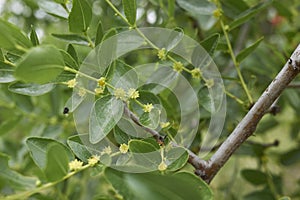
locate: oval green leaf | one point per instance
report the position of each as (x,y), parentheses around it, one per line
(72,38)
(80,16)
(130,11)
(30,89)
(40,65)
(247,51)
(105,114)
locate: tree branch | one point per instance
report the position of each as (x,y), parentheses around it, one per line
(248,124)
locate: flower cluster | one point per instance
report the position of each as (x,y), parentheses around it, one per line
(92,161)
(131,94)
(196,73)
(71,83)
(75,165)
(162,54)
(148,107)
(162,166)
(178,66)
(123,148)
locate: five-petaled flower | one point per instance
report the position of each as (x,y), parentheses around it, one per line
(99,90)
(123,148)
(120,94)
(75,165)
(177,66)
(102,81)
(71,83)
(161,54)
(92,161)
(133,94)
(196,73)
(148,107)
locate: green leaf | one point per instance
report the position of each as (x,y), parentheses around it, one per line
(38,150)
(196,7)
(151,119)
(30,89)
(33,37)
(145,97)
(9,124)
(255,177)
(41,64)
(291,157)
(139,146)
(72,38)
(72,51)
(111,32)
(178,157)
(263,194)
(120,136)
(80,16)
(1,56)
(11,37)
(248,14)
(210,43)
(57,162)
(99,34)
(283,10)
(68,60)
(233,8)
(151,186)
(6,73)
(105,114)
(12,178)
(247,51)
(130,11)
(61,1)
(79,149)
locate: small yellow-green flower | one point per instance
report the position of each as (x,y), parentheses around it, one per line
(123,148)
(75,165)
(178,66)
(209,83)
(196,73)
(92,161)
(106,150)
(71,83)
(161,54)
(133,94)
(120,94)
(99,90)
(102,81)
(162,166)
(164,124)
(81,92)
(148,107)
(217,13)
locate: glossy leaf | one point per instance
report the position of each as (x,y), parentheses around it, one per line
(99,34)
(41,64)
(68,60)
(79,149)
(197,7)
(210,44)
(13,178)
(38,150)
(290,157)
(255,177)
(177,157)
(120,136)
(33,37)
(11,37)
(80,16)
(151,119)
(247,51)
(57,162)
(30,89)
(6,73)
(72,51)
(149,186)
(105,114)
(72,38)
(139,146)
(130,10)
(248,14)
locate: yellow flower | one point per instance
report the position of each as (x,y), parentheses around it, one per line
(75,165)
(164,124)
(106,150)
(148,107)
(71,83)
(161,54)
(99,90)
(133,94)
(209,83)
(217,13)
(123,148)
(177,66)
(92,161)
(196,73)
(120,94)
(81,92)
(102,81)
(162,166)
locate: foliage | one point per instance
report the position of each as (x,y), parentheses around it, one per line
(46,83)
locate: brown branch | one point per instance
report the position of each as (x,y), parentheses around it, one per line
(248,124)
